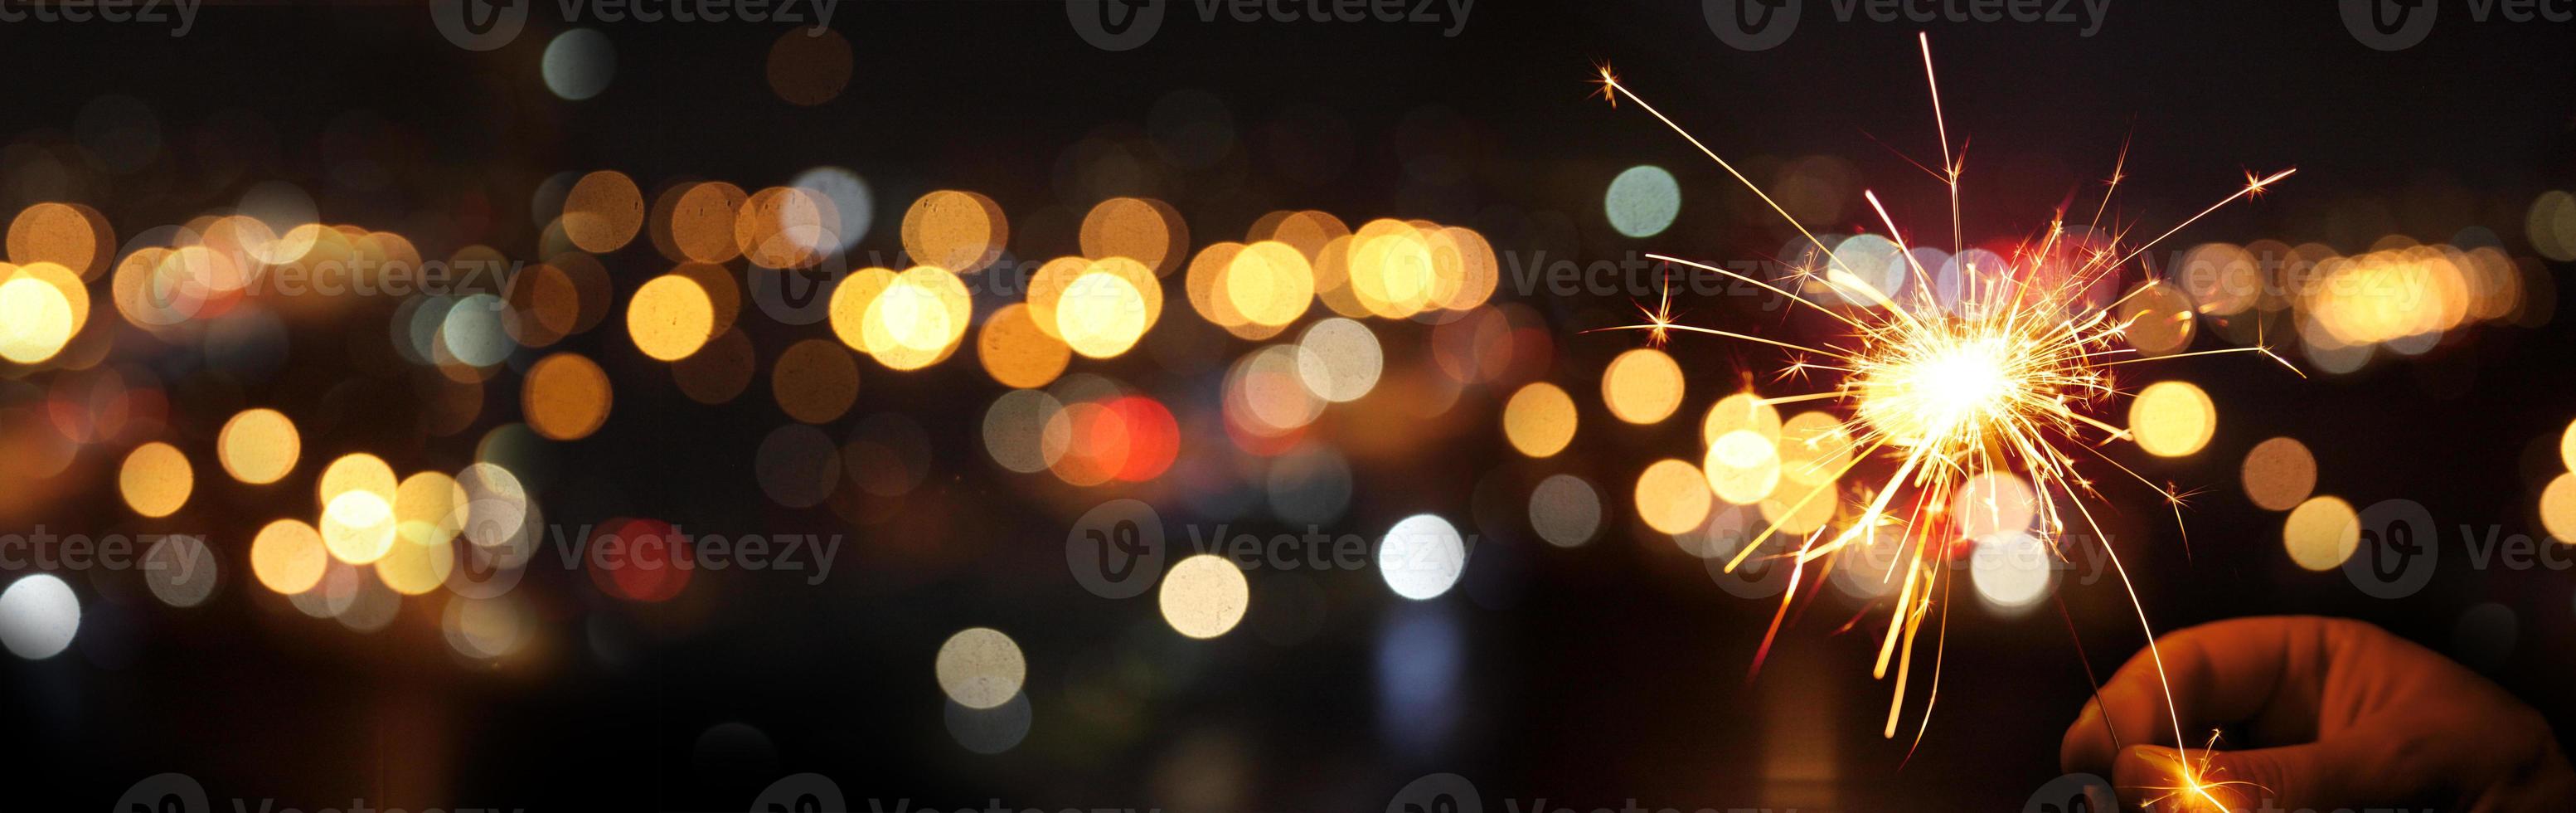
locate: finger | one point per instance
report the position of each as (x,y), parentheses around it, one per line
(2316,776)
(2223,672)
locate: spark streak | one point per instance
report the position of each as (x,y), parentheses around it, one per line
(2002,380)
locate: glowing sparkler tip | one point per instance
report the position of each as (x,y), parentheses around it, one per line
(1609,82)
(2196,785)
(2254,185)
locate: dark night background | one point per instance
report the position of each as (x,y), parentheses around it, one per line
(1590,676)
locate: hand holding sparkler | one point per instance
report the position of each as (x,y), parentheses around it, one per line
(2343,714)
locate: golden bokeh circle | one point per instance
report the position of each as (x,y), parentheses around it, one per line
(68,234)
(1672,496)
(287,557)
(961,231)
(1147,231)
(1539,419)
(1642,385)
(670,317)
(603,211)
(1016,353)
(1100,315)
(566,397)
(156,479)
(2558,508)
(258,446)
(2172,418)
(2279,474)
(2321,533)
(702,221)
(815,381)
(1742,410)
(1742,467)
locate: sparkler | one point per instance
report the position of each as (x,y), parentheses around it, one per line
(2002,380)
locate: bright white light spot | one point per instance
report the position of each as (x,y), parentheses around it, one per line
(1421,557)
(980,668)
(38,615)
(1643,201)
(578,64)
(2011,570)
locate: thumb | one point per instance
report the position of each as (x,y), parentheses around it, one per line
(2312,776)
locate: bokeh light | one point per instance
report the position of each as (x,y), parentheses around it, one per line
(1642,201)
(566,397)
(1539,419)
(956,230)
(578,64)
(603,211)
(2172,418)
(155,479)
(1204,596)
(815,381)
(1642,385)
(2321,533)
(670,317)
(1421,557)
(980,668)
(2279,474)
(38,616)
(1672,497)
(2558,508)
(1565,510)
(1015,352)
(287,557)
(2011,570)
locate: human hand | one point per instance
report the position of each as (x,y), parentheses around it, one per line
(2338,714)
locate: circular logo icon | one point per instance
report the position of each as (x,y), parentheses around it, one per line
(2073,793)
(797,296)
(485,571)
(1116,550)
(1437,793)
(801,793)
(1752,25)
(1115,25)
(2389,25)
(165,793)
(479,25)
(1757,578)
(2397,550)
